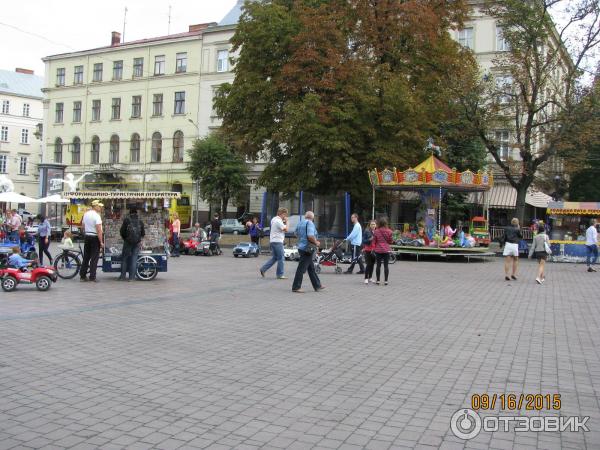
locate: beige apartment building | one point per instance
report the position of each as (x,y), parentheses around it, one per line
(20,115)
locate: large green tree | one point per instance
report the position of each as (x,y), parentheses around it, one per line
(535,91)
(325,90)
(220,170)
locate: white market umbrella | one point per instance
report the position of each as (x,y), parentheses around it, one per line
(55,198)
(13,197)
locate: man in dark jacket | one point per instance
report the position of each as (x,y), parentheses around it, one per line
(132,231)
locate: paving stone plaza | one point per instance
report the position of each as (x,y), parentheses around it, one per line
(209,355)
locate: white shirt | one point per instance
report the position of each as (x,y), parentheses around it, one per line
(90,220)
(591,236)
(15,222)
(277,234)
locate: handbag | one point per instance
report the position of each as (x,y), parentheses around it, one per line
(547,246)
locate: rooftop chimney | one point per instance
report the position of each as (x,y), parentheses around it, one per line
(201,26)
(115,38)
(25,71)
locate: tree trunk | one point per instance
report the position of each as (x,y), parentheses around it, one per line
(520,207)
(224,203)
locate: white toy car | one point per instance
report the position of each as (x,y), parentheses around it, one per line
(291,253)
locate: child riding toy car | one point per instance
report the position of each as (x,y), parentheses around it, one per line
(21,270)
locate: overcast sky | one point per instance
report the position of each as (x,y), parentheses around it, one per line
(67,25)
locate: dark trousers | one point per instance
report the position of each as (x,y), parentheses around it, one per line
(91,253)
(370,260)
(43,248)
(385,259)
(129,260)
(306,264)
(356,258)
(176,248)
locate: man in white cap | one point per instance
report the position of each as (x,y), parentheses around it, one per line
(94,240)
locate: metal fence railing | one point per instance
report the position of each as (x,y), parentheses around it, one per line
(497,232)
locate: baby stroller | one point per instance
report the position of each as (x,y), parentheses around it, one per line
(330,258)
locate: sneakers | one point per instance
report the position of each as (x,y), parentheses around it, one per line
(366,281)
(385,283)
(282,277)
(298,291)
(538,281)
(591,269)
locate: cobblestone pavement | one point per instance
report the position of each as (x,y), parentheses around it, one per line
(210,355)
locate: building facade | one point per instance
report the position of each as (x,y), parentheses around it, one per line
(20,114)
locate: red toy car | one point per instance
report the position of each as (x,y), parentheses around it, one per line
(42,277)
(191,246)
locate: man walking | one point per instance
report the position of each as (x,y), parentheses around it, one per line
(591,244)
(276,238)
(355,239)
(132,231)
(93,241)
(307,245)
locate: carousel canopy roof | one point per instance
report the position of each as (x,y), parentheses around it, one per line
(431,173)
(107,195)
(574,208)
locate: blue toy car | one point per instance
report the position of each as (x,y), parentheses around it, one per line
(246,249)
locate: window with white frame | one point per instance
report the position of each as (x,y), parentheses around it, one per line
(180,62)
(26,108)
(59,113)
(159,65)
(118,70)
(76,153)
(113,155)
(58,150)
(136,106)
(156,155)
(465,38)
(77,111)
(503,144)
(178,147)
(157,105)
(222,60)
(179,103)
(504,88)
(97,74)
(5,106)
(95,153)
(4,133)
(24,136)
(96,105)
(3,163)
(116,109)
(60,76)
(134,149)
(501,42)
(138,67)
(23,165)
(78,75)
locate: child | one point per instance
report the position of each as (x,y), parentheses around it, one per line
(67,241)
(17,261)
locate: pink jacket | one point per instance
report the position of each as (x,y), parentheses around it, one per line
(382,238)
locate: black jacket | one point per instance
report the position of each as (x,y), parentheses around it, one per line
(125,224)
(512,235)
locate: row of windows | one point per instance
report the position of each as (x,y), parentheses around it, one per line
(115,111)
(181,60)
(22,164)
(6,108)
(114,149)
(4,134)
(466,39)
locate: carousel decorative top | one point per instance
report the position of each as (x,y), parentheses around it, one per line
(574,208)
(120,195)
(431,173)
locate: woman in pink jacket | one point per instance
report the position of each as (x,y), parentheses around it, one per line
(382,238)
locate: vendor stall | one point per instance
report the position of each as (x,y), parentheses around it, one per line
(568,223)
(153,210)
(432,179)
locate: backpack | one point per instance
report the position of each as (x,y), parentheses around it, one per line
(133,234)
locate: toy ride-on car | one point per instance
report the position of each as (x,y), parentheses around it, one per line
(191,246)
(480,231)
(246,249)
(291,253)
(41,276)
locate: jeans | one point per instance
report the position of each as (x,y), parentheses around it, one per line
(129,259)
(356,258)
(385,259)
(43,248)
(276,257)
(13,236)
(592,254)
(370,260)
(306,264)
(175,244)
(91,253)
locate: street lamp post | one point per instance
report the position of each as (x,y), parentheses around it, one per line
(196,181)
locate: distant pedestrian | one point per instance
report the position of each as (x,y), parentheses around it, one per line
(276,237)
(512,237)
(382,239)
(44,233)
(538,251)
(591,244)
(215,232)
(15,223)
(355,240)
(132,232)
(368,251)
(176,234)
(254,231)
(94,241)
(307,246)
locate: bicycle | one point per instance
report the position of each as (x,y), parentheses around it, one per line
(68,263)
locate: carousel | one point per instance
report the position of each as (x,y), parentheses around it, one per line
(432,179)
